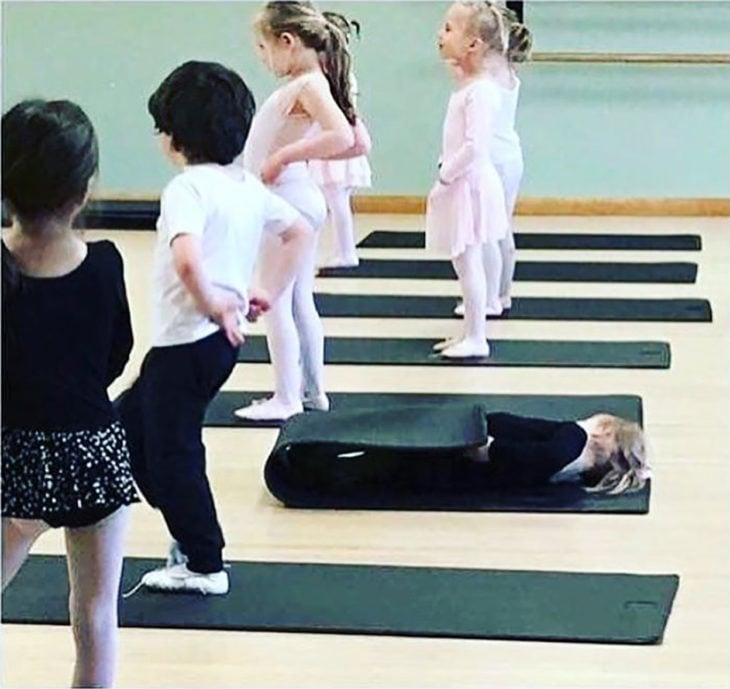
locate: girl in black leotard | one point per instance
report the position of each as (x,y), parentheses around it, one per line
(603,452)
(66,336)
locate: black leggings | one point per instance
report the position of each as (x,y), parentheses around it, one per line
(163,415)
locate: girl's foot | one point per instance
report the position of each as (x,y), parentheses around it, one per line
(506,302)
(341,262)
(467,349)
(268,410)
(316,403)
(445,344)
(492,309)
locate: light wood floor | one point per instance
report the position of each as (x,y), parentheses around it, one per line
(686,532)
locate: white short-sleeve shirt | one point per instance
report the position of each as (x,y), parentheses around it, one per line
(229,209)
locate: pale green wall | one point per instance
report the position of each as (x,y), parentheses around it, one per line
(587,130)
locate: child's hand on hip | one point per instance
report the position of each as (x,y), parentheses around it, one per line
(225,310)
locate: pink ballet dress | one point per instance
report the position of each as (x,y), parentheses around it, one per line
(469,208)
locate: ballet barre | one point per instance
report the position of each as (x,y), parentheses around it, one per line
(635,58)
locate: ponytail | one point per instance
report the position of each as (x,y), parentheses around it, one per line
(519,44)
(336,64)
(519,37)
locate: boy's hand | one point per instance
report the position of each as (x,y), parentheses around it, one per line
(258,304)
(225,311)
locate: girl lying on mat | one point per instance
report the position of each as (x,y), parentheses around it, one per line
(605,453)
(447,451)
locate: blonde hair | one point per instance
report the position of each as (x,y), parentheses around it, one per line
(315,31)
(499,29)
(519,38)
(628,470)
(487,22)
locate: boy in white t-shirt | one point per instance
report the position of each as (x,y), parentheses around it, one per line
(212,218)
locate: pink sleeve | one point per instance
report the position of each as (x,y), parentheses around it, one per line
(480,108)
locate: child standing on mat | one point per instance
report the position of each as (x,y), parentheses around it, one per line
(338,178)
(466,215)
(66,336)
(297,42)
(506,150)
(506,155)
(212,217)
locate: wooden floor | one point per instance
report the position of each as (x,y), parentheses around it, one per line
(686,416)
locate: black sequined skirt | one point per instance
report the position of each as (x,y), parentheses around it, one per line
(66,478)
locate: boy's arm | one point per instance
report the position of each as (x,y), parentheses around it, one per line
(222,307)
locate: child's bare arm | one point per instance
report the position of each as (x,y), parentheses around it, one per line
(336,134)
(221,306)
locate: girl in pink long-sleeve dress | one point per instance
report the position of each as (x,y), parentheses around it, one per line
(466,216)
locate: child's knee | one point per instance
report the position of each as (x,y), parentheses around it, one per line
(27,529)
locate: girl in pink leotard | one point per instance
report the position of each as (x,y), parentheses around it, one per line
(466,214)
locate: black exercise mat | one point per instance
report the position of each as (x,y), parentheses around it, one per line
(414,457)
(419,352)
(220,411)
(383,239)
(381,600)
(534,271)
(120,215)
(523,308)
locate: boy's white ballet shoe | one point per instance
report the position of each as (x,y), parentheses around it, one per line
(506,303)
(268,410)
(466,349)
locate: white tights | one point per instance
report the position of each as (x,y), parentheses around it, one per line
(94,555)
(492,262)
(510,172)
(294,331)
(338,203)
(295,338)
(469,268)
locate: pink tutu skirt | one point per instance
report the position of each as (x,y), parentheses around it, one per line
(350,172)
(470,210)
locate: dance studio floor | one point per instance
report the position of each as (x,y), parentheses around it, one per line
(686,531)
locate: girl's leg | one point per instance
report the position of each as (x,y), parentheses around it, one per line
(289,320)
(470,271)
(311,334)
(95,555)
(338,202)
(509,261)
(18,538)
(492,261)
(283,343)
(511,176)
